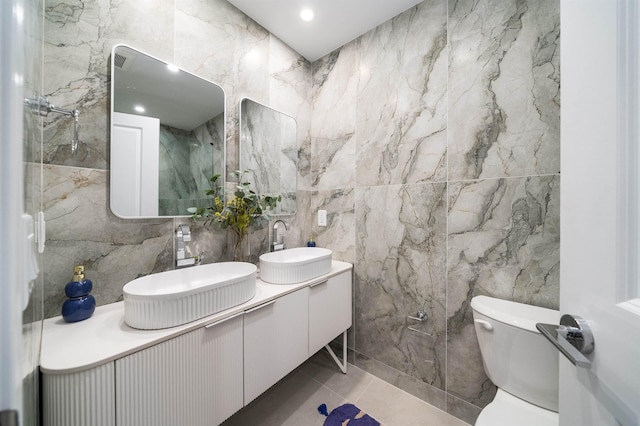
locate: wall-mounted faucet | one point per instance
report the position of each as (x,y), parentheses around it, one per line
(183,235)
(278,244)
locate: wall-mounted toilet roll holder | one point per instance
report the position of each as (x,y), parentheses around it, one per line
(420,317)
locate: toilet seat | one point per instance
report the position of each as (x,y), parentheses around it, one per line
(507,410)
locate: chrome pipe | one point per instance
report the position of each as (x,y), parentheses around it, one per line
(40,105)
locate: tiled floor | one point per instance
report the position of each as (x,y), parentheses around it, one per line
(295,399)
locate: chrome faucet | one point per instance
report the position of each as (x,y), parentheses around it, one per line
(183,235)
(277,245)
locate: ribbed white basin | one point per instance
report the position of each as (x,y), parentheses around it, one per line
(172,298)
(295,265)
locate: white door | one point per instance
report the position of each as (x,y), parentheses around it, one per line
(598,280)
(135,160)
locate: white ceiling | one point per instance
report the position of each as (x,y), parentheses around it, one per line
(336,22)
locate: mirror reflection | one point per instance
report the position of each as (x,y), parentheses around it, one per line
(269,152)
(167,136)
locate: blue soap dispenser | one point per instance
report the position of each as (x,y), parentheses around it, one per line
(80,304)
(311,242)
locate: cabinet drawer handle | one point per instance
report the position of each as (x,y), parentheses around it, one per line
(321,282)
(264,305)
(213,324)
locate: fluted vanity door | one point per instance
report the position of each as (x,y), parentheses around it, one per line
(194,379)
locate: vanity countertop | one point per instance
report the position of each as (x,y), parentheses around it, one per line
(79,346)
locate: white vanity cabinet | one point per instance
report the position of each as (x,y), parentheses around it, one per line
(194,379)
(80,398)
(100,372)
(275,341)
(329,310)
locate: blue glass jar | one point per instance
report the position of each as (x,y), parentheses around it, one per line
(80,304)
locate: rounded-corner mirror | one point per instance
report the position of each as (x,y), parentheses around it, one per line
(167,136)
(269,152)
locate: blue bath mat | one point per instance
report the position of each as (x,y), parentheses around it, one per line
(347,415)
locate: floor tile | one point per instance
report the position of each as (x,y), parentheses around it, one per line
(293,401)
(395,407)
(323,369)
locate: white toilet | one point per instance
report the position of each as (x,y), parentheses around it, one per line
(519,361)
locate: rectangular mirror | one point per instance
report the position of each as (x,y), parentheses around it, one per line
(167,136)
(269,152)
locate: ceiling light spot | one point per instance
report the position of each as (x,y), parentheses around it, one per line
(173,68)
(307,15)
(139,108)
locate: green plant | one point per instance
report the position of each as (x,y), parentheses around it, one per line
(243,209)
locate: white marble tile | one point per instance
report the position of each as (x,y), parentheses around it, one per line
(509,247)
(339,234)
(82,231)
(399,269)
(333,122)
(402,103)
(78,39)
(504,112)
(218,42)
(289,92)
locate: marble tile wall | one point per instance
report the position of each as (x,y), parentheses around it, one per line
(435,137)
(503,121)
(209,38)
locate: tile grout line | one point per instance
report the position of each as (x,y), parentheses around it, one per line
(322,384)
(344,398)
(413,396)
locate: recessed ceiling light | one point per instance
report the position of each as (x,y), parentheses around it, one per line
(139,108)
(173,68)
(307,15)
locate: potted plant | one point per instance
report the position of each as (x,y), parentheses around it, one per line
(243,209)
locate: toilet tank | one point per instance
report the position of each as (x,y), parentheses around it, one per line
(516,357)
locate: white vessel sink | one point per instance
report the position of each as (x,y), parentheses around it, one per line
(294,265)
(172,298)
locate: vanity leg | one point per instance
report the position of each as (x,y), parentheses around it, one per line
(342,364)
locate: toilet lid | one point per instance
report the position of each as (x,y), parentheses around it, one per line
(506,409)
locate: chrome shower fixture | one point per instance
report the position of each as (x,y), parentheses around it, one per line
(40,105)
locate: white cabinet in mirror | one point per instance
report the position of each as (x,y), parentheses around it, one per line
(167,136)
